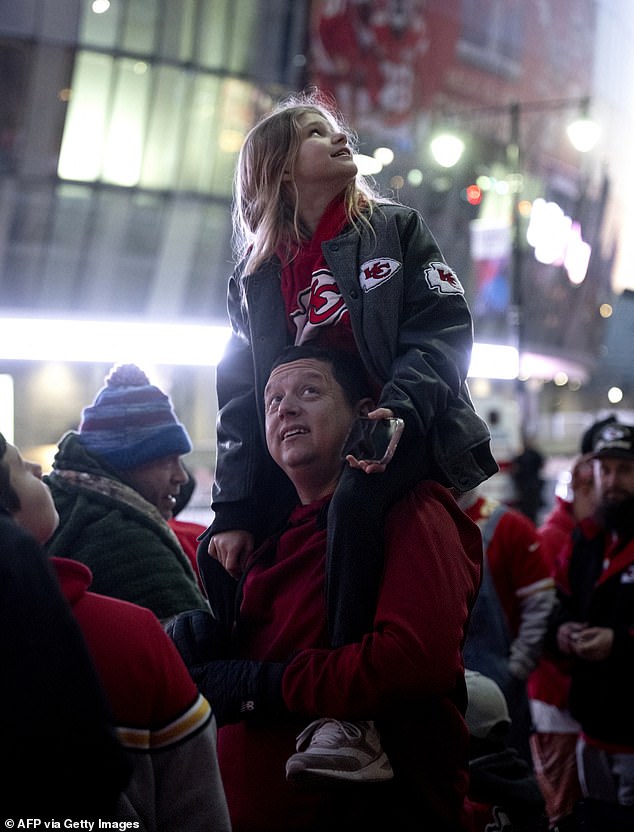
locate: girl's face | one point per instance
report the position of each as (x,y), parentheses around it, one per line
(324,160)
(37,513)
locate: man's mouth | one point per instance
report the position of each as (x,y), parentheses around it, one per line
(291,432)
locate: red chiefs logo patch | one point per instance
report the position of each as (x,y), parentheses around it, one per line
(443,279)
(375,272)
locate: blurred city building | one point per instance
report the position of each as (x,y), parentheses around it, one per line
(120,123)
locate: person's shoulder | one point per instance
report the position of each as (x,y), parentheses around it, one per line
(133,637)
(431,499)
(394,212)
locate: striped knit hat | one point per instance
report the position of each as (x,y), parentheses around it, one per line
(131,421)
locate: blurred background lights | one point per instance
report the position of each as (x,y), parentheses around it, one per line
(384,155)
(472,194)
(112,342)
(188,345)
(447,149)
(605,310)
(367,165)
(6,407)
(100,6)
(415,177)
(583,134)
(560,379)
(615,395)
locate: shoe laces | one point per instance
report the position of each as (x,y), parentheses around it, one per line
(328,732)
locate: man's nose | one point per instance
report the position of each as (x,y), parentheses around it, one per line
(180,474)
(35,468)
(288,406)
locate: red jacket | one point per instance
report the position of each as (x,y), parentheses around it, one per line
(407,673)
(160,716)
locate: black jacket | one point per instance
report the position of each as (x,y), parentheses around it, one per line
(414,337)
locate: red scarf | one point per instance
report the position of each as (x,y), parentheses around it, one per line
(314,305)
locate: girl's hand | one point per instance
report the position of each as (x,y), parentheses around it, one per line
(363,464)
(231,549)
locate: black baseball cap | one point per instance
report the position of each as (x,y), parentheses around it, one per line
(615,440)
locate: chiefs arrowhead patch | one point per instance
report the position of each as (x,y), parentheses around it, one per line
(443,279)
(375,272)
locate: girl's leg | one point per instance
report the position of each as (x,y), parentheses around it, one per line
(356,519)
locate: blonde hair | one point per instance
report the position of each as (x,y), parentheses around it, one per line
(265,206)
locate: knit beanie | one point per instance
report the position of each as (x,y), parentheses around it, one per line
(131,422)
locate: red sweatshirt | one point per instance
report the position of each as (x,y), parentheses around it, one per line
(407,673)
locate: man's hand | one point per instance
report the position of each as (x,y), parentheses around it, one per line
(584,493)
(198,637)
(594,644)
(567,634)
(231,549)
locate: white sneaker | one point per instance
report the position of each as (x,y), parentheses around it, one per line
(330,749)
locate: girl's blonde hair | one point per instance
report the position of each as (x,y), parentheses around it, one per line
(265,206)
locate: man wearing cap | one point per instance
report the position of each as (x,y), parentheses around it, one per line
(115,483)
(503,791)
(595,629)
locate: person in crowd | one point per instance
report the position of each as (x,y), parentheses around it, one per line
(61,756)
(115,482)
(267,663)
(526,473)
(511,615)
(503,793)
(555,731)
(162,721)
(595,631)
(322,259)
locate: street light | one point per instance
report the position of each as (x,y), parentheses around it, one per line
(447,149)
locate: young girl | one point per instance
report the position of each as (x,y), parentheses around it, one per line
(321,257)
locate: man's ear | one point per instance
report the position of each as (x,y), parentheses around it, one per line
(364,406)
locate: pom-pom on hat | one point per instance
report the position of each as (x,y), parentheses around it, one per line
(132,422)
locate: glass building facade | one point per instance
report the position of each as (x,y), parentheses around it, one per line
(121,124)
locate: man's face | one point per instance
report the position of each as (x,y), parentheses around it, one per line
(307,419)
(616,479)
(37,513)
(159,482)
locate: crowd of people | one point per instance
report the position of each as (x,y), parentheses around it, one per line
(360,640)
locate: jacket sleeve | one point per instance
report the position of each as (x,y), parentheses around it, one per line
(250,491)
(431,358)
(189,789)
(415,333)
(238,438)
(524,575)
(434,555)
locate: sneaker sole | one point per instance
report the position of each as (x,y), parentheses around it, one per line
(379,772)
